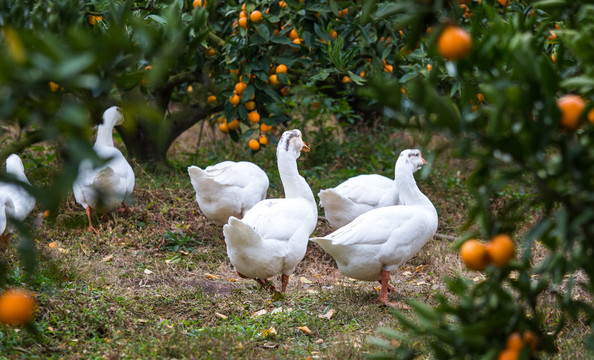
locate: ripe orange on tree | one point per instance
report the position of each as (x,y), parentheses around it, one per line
(284,91)
(242,22)
(514,342)
(263,139)
(256,16)
(297,41)
(293,34)
(571,107)
(454,43)
(334,34)
(224,127)
(94,18)
(16,307)
(501,250)
(211,99)
(282,4)
(233,125)
(346,79)
(475,255)
(273,79)
(234,99)
(250,105)
(54,86)
(240,87)
(254,144)
(503,2)
(197,3)
(254,117)
(265,128)
(281,69)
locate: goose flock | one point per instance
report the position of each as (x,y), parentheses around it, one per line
(380,223)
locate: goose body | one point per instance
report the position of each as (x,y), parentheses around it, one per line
(272,237)
(105,187)
(379,241)
(15,202)
(228,189)
(356,196)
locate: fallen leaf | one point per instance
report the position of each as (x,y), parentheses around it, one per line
(147,271)
(107,258)
(305,280)
(52,245)
(319,341)
(63,251)
(419,268)
(211,276)
(221,315)
(327,315)
(259,313)
(269,332)
(421,283)
(305,329)
(232,280)
(407,273)
(377,288)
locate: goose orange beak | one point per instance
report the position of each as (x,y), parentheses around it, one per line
(305,147)
(424,161)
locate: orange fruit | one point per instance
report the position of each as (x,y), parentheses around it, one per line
(273,79)
(46,213)
(362,73)
(284,91)
(346,79)
(343,13)
(265,128)
(250,105)
(531,340)
(221,120)
(211,99)
(243,14)
(242,22)
(282,4)
(334,34)
(54,86)
(503,2)
(16,307)
(554,58)
(224,127)
(234,71)
(243,7)
(233,125)
(553,36)
(234,99)
(254,117)
(475,255)
(514,342)
(190,89)
(454,43)
(571,107)
(256,16)
(388,68)
(591,116)
(210,52)
(297,41)
(52,245)
(254,144)
(197,3)
(429,67)
(508,355)
(281,69)
(293,34)
(501,250)
(263,139)
(240,87)
(480,97)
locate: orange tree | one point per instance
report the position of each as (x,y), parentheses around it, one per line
(518,102)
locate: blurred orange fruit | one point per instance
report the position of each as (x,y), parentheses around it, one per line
(254,144)
(54,86)
(571,107)
(346,79)
(256,16)
(474,254)
(281,69)
(16,307)
(454,43)
(242,22)
(234,99)
(224,127)
(293,34)
(254,117)
(250,105)
(501,250)
(240,87)
(263,139)
(197,3)
(233,125)
(273,79)
(211,99)
(265,128)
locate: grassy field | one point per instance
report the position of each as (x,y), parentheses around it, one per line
(156,281)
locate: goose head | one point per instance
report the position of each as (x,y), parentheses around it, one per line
(14,165)
(291,143)
(113,117)
(412,159)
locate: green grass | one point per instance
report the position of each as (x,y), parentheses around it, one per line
(157,283)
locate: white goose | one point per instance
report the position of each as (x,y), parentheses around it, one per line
(228,189)
(15,202)
(106,187)
(378,242)
(272,237)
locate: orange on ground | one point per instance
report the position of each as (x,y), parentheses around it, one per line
(501,250)
(233,125)
(254,144)
(211,99)
(281,69)
(242,22)
(265,128)
(508,355)
(454,43)
(474,254)
(263,139)
(571,107)
(240,87)
(54,86)
(234,99)
(16,307)
(256,16)
(52,245)
(250,105)
(254,117)
(224,127)
(273,79)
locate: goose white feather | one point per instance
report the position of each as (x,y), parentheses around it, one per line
(381,240)
(272,237)
(228,189)
(15,202)
(105,187)
(356,196)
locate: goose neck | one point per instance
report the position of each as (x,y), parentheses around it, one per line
(294,184)
(104,135)
(407,187)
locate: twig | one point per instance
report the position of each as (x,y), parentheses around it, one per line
(444,237)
